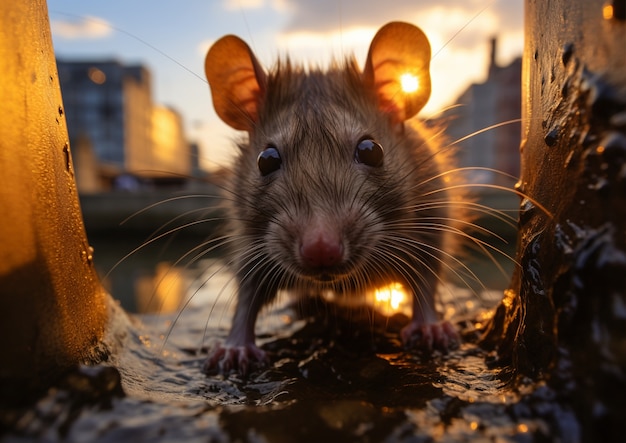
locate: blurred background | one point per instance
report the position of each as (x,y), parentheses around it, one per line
(146,143)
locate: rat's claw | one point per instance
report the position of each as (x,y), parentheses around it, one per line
(441,336)
(225,359)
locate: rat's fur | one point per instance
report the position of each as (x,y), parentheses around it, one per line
(396,222)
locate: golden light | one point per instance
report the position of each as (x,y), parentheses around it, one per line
(409,83)
(162,292)
(389,299)
(97,75)
(607,11)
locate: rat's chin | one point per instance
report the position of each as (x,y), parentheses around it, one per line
(324,277)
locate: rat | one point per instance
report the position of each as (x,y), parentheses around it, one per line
(337,187)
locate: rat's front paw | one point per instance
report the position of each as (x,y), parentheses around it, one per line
(226,359)
(441,336)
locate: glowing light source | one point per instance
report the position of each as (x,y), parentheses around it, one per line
(390,297)
(97,75)
(409,83)
(607,11)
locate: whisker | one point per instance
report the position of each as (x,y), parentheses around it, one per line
(134,37)
(185,305)
(487,6)
(163,202)
(216,299)
(181,216)
(467,205)
(480,131)
(215,244)
(424,247)
(158,237)
(447,227)
(493,186)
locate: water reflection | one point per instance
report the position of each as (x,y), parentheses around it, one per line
(162,291)
(155,280)
(336,374)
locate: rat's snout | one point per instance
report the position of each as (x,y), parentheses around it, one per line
(321,247)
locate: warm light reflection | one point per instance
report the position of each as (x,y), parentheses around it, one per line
(409,83)
(170,150)
(390,298)
(509,297)
(97,76)
(607,11)
(162,292)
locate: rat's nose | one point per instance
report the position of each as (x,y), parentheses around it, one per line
(321,248)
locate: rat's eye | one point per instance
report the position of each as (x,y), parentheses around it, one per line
(269,160)
(369,153)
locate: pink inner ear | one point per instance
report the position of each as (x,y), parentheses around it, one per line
(245,90)
(391,98)
(398,48)
(236,80)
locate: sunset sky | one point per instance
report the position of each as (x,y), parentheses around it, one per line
(155,32)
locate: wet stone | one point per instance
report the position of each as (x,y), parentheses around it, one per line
(552,137)
(342,376)
(568,51)
(614,150)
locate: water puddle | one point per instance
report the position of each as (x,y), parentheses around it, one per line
(338,373)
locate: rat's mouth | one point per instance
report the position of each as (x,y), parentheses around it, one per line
(325,276)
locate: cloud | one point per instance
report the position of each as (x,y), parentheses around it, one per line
(231,5)
(463,23)
(459,33)
(449,29)
(234,5)
(324,15)
(81,28)
(335,44)
(203,47)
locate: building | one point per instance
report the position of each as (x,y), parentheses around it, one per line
(171,151)
(109,109)
(497,101)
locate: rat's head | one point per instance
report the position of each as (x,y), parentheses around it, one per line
(327,172)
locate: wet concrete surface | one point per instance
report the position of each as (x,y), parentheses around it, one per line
(337,374)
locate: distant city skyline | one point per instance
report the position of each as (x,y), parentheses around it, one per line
(151,33)
(116,129)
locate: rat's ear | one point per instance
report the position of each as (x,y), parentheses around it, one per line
(399,57)
(237,82)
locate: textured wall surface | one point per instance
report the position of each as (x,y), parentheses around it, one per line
(564,316)
(52,306)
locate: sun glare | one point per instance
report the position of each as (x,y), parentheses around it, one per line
(390,298)
(409,83)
